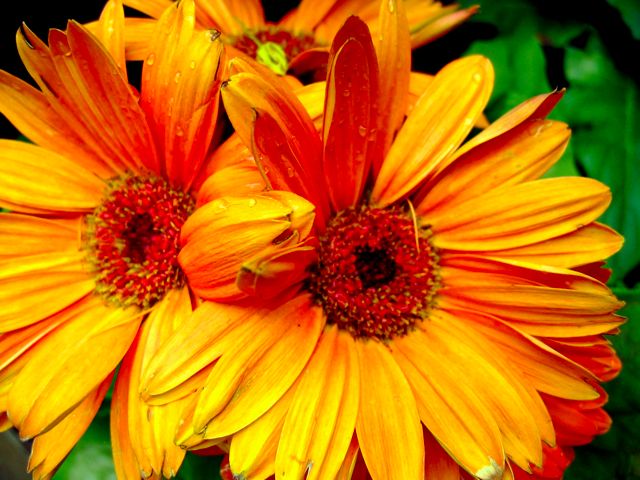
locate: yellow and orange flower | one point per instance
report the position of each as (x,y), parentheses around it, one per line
(300,40)
(88,264)
(395,292)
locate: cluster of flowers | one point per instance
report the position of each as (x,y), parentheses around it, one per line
(346,286)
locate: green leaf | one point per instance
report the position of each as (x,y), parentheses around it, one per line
(198,467)
(630,11)
(601,107)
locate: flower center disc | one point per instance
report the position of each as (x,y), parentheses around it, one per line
(133,240)
(376,272)
(274,47)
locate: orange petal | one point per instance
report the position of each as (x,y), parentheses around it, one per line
(596,354)
(37,178)
(450,409)
(34,287)
(249,378)
(30,112)
(212,329)
(278,164)
(244,179)
(520,215)
(321,420)
(350,119)
(242,227)
(436,126)
(444,21)
(293,133)
(232,17)
(51,448)
(438,463)
(152,428)
(394,57)
(589,244)
(110,31)
(520,155)
(24,235)
(180,87)
(388,425)
(267,276)
(71,363)
(253,449)
(538,365)
(104,101)
(308,14)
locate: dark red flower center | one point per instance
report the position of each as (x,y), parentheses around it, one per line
(133,240)
(376,273)
(273,46)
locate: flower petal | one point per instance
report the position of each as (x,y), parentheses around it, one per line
(520,155)
(248,379)
(30,112)
(321,420)
(253,449)
(25,235)
(232,16)
(350,119)
(438,463)
(286,146)
(104,101)
(71,363)
(180,87)
(152,428)
(225,233)
(589,244)
(514,216)
(388,425)
(449,408)
(394,57)
(110,31)
(50,449)
(436,126)
(34,287)
(32,177)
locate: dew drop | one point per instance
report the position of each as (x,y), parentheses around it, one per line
(176,78)
(192,65)
(362,130)
(151,58)
(346,93)
(179,131)
(290,172)
(477,77)
(468,121)
(253,202)
(392,6)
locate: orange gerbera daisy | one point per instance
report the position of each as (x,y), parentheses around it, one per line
(300,38)
(440,312)
(88,264)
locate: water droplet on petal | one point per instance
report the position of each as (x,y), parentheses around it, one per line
(362,130)
(290,172)
(151,58)
(192,65)
(253,202)
(392,6)
(177,77)
(477,77)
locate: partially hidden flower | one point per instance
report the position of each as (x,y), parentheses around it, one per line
(443,316)
(88,264)
(301,38)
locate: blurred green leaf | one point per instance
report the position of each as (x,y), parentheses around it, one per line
(91,458)
(197,467)
(601,107)
(630,11)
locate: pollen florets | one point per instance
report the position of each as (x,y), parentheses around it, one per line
(133,240)
(376,274)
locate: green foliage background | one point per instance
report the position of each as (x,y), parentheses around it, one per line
(534,50)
